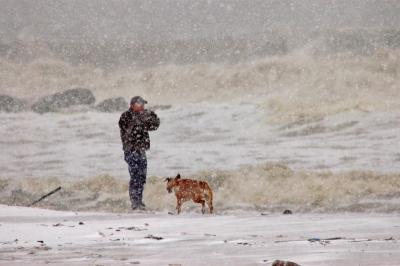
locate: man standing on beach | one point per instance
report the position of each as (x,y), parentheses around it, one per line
(135,125)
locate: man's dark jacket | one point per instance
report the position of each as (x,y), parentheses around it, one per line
(135,127)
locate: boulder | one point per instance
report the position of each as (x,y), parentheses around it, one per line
(118,104)
(56,102)
(11,105)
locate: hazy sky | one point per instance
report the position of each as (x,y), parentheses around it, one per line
(105,19)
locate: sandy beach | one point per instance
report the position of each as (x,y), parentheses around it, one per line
(38,236)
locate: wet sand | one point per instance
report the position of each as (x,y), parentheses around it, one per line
(37,236)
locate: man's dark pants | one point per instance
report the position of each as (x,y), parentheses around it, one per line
(137,165)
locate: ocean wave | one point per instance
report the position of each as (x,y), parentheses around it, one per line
(265,187)
(291,87)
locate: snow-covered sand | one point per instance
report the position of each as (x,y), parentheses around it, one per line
(193,239)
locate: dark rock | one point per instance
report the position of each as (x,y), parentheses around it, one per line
(287,212)
(65,99)
(11,105)
(113,105)
(81,223)
(284,263)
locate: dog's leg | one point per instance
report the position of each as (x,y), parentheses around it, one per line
(209,199)
(203,207)
(178,205)
(210,205)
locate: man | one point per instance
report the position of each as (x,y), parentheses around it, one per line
(135,125)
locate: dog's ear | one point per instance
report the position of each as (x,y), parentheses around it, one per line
(167,179)
(178,176)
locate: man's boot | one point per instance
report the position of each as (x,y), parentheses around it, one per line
(142,206)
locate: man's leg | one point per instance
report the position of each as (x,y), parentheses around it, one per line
(143,174)
(134,193)
(137,165)
(133,161)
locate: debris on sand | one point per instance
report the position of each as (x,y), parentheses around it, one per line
(43,247)
(361,240)
(133,228)
(154,237)
(325,241)
(44,196)
(243,243)
(322,241)
(287,212)
(284,263)
(58,224)
(390,238)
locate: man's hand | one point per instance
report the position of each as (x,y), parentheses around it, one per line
(150,119)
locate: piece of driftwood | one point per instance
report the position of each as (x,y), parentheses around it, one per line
(325,241)
(312,239)
(44,196)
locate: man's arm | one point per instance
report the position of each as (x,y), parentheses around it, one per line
(151,120)
(123,125)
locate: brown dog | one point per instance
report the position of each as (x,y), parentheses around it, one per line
(188,189)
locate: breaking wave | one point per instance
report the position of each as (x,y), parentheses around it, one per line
(267,187)
(290,86)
